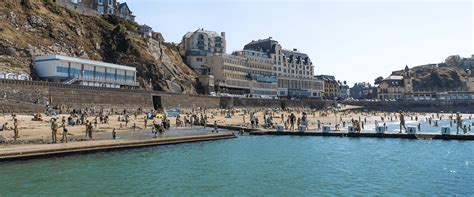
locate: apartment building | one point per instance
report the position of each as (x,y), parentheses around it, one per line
(244,72)
(196,46)
(294,69)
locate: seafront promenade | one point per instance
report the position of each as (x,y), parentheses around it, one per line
(103,142)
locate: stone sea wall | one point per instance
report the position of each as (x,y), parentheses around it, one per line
(230,102)
(188,101)
(18,107)
(67,97)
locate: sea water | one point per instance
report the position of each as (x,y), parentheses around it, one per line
(254,166)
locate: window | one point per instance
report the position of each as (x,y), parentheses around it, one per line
(110,2)
(199,59)
(62,71)
(110,75)
(75,72)
(99,74)
(88,73)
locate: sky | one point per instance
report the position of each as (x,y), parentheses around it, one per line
(356,41)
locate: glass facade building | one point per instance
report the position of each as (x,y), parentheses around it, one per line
(70,70)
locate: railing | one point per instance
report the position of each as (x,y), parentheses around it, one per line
(101,80)
(70,80)
(67,86)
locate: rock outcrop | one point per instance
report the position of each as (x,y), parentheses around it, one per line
(40,27)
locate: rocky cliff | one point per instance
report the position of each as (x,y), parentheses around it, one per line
(38,27)
(432,77)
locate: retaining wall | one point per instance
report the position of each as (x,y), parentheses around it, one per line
(188,101)
(230,102)
(69,97)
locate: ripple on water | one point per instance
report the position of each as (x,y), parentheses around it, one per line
(272,165)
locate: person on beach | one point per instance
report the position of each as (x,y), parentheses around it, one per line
(87,127)
(3,127)
(64,132)
(304,120)
(252,120)
(146,121)
(458,122)
(114,134)
(54,130)
(357,126)
(126,120)
(292,121)
(16,130)
(256,122)
(63,120)
(215,127)
(402,122)
(205,121)
(90,129)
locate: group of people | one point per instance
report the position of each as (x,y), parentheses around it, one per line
(15,128)
(290,122)
(192,119)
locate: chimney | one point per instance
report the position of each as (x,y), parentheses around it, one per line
(223,34)
(295,49)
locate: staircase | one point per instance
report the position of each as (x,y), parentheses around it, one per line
(70,80)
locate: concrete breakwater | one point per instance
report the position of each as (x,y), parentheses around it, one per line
(433,136)
(49,150)
(464,106)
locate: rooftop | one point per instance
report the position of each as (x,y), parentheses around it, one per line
(326,77)
(201,30)
(83,61)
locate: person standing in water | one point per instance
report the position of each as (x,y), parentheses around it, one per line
(402,122)
(215,127)
(458,123)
